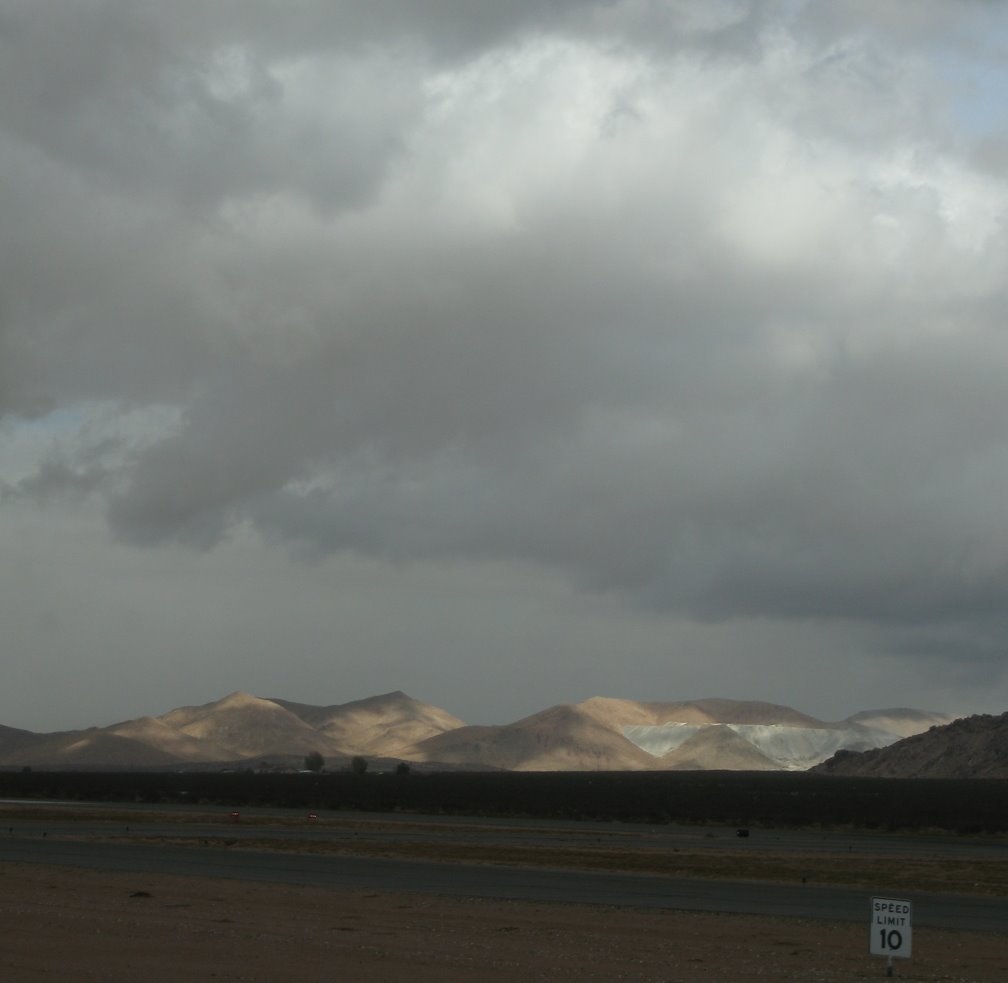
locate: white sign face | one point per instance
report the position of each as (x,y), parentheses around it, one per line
(891,927)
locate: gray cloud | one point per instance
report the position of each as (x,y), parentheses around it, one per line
(55,477)
(699,305)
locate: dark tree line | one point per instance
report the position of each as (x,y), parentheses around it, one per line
(734,798)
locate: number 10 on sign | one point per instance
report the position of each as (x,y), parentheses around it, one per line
(891,927)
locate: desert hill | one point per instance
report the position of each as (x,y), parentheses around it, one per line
(14,739)
(599,734)
(717,747)
(182,746)
(248,727)
(560,738)
(88,748)
(379,725)
(899,720)
(972,747)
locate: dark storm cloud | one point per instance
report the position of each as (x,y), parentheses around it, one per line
(688,301)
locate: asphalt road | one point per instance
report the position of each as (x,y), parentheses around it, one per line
(28,845)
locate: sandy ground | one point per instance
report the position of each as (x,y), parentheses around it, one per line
(61,924)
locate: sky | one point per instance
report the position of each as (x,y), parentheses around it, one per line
(505,352)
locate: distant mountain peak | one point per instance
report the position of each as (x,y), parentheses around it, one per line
(239,698)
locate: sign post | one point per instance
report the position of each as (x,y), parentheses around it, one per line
(891,929)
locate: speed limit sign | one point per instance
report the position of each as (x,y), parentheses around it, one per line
(891,925)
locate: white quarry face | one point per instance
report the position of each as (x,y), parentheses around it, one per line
(792,748)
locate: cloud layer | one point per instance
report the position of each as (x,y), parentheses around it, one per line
(702,305)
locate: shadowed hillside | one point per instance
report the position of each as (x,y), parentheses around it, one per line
(973,747)
(379,725)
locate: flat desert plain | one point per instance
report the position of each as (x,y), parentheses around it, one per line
(71,924)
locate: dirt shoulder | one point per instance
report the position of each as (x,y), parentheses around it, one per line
(85,925)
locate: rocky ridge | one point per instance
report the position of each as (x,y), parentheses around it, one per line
(971,747)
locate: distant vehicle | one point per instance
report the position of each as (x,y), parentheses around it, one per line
(743,833)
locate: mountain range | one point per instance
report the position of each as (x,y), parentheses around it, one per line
(598,734)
